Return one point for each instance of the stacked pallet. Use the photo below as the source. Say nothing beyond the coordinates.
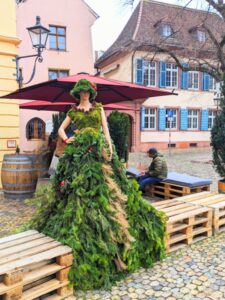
(186, 223)
(33, 265)
(167, 190)
(214, 201)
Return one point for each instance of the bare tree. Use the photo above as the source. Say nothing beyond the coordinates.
(209, 57)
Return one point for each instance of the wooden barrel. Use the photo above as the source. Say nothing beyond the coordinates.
(18, 176)
(41, 164)
(221, 187)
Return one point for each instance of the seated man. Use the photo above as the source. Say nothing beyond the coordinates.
(157, 170)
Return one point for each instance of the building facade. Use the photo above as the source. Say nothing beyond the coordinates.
(180, 121)
(69, 51)
(9, 109)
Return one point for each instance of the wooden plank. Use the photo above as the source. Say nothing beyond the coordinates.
(17, 236)
(221, 213)
(60, 250)
(200, 221)
(41, 273)
(19, 250)
(181, 211)
(162, 203)
(196, 196)
(55, 297)
(192, 213)
(21, 241)
(43, 289)
(200, 230)
(177, 238)
(170, 228)
(217, 205)
(177, 208)
(209, 200)
(29, 252)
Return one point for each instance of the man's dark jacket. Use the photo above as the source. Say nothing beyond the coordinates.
(158, 167)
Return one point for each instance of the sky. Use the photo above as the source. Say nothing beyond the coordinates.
(113, 16)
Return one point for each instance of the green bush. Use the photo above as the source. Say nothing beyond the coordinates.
(119, 126)
(218, 135)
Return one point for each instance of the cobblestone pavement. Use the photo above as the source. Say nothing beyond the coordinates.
(13, 213)
(192, 273)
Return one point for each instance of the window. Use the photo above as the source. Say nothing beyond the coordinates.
(201, 36)
(150, 118)
(57, 38)
(193, 80)
(171, 75)
(192, 119)
(149, 71)
(212, 115)
(35, 129)
(53, 74)
(171, 118)
(212, 83)
(165, 30)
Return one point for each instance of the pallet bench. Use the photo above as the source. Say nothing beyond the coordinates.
(167, 190)
(186, 223)
(178, 185)
(214, 201)
(34, 266)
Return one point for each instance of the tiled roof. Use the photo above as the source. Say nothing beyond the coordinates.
(143, 28)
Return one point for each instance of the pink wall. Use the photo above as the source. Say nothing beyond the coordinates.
(78, 18)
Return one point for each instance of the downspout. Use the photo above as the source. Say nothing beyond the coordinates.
(132, 66)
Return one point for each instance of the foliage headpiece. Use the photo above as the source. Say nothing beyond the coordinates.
(84, 85)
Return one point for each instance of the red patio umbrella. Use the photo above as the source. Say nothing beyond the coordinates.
(109, 91)
(64, 106)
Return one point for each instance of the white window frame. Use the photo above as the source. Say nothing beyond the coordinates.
(149, 69)
(193, 115)
(174, 122)
(166, 30)
(150, 118)
(201, 36)
(212, 83)
(193, 80)
(172, 74)
(211, 118)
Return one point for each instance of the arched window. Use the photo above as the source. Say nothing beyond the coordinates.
(35, 129)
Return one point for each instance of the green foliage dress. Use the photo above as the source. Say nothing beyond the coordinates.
(94, 209)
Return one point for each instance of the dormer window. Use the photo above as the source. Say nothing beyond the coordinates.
(201, 36)
(165, 30)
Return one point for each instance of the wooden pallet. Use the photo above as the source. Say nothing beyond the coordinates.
(169, 190)
(186, 223)
(213, 200)
(34, 266)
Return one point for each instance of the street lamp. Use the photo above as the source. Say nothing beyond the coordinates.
(217, 100)
(39, 36)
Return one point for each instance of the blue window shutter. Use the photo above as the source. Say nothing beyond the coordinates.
(142, 111)
(205, 81)
(162, 118)
(162, 74)
(183, 119)
(204, 119)
(139, 71)
(184, 79)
